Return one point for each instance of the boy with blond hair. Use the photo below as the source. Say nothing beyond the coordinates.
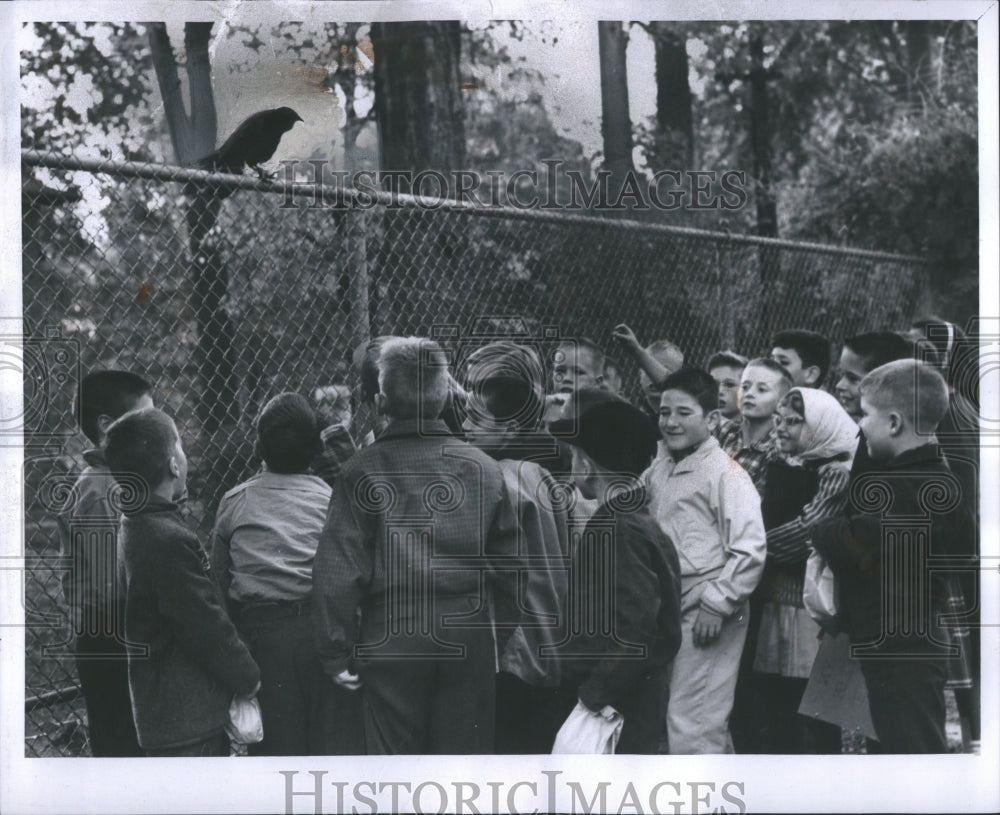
(882, 576)
(416, 521)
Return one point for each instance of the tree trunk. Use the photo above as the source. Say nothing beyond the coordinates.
(616, 128)
(418, 103)
(194, 136)
(674, 120)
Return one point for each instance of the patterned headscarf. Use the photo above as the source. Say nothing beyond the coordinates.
(828, 430)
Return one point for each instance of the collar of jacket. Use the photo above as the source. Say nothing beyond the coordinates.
(924, 454)
(401, 428)
(693, 459)
(95, 457)
(154, 503)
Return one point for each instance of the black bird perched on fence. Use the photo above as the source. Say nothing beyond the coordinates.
(252, 143)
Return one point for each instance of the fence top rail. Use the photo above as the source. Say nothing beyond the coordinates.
(348, 198)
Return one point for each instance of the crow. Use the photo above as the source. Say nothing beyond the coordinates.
(252, 143)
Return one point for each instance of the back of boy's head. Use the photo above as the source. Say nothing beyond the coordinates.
(697, 384)
(668, 354)
(108, 393)
(812, 348)
(509, 378)
(726, 359)
(413, 378)
(914, 389)
(876, 348)
(288, 433)
(776, 367)
(141, 443)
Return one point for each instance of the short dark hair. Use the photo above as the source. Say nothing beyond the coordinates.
(729, 359)
(509, 399)
(697, 384)
(812, 348)
(140, 444)
(108, 393)
(771, 365)
(914, 389)
(876, 348)
(413, 377)
(288, 433)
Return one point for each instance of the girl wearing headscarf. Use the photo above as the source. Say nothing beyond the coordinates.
(817, 439)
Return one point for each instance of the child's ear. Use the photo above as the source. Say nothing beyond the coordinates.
(380, 404)
(896, 423)
(173, 467)
(812, 375)
(103, 423)
(713, 418)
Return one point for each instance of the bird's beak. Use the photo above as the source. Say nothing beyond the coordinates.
(298, 118)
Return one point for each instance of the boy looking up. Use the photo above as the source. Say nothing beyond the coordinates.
(712, 512)
(726, 368)
(88, 534)
(903, 659)
(804, 354)
(576, 364)
(657, 360)
(264, 542)
(196, 662)
(624, 573)
(416, 521)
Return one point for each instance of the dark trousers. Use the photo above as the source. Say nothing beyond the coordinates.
(303, 712)
(431, 704)
(103, 670)
(785, 731)
(906, 699)
(213, 747)
(528, 718)
(645, 712)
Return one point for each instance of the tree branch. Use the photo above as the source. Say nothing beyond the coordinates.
(165, 65)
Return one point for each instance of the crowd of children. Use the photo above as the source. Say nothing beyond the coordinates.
(509, 543)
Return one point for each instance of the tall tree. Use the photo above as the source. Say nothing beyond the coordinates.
(616, 128)
(674, 120)
(193, 135)
(418, 102)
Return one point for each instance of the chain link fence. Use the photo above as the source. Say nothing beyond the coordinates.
(225, 293)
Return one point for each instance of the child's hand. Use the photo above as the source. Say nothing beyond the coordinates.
(707, 627)
(624, 335)
(348, 680)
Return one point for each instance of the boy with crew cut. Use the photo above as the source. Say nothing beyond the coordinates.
(264, 542)
(576, 364)
(88, 533)
(657, 360)
(419, 523)
(195, 662)
(711, 510)
(883, 576)
(804, 354)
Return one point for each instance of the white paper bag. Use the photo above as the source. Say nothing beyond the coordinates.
(819, 591)
(587, 732)
(245, 725)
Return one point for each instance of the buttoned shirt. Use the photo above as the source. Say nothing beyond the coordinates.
(751, 456)
(707, 505)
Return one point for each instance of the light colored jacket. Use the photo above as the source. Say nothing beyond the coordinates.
(710, 509)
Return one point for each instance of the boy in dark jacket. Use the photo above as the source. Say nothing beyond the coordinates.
(904, 512)
(624, 593)
(195, 662)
